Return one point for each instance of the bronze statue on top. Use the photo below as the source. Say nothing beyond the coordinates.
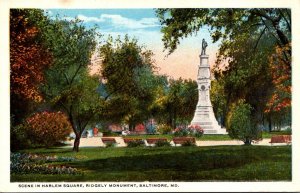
(204, 45)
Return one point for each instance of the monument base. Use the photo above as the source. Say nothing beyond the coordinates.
(204, 117)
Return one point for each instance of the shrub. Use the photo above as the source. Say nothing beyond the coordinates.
(161, 143)
(110, 144)
(288, 131)
(164, 129)
(135, 143)
(241, 126)
(48, 128)
(188, 143)
(195, 130)
(180, 132)
(192, 130)
(19, 138)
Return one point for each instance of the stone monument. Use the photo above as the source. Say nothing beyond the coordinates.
(204, 115)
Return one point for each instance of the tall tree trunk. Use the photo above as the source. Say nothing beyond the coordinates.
(270, 123)
(174, 120)
(247, 141)
(170, 119)
(76, 143)
(131, 126)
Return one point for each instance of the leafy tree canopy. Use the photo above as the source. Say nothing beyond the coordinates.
(225, 24)
(128, 72)
(29, 57)
(255, 47)
(68, 85)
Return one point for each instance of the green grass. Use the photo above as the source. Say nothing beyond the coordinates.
(217, 163)
(170, 137)
(270, 134)
(215, 138)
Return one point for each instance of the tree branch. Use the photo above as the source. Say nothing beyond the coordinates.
(275, 23)
(278, 40)
(66, 77)
(77, 70)
(263, 31)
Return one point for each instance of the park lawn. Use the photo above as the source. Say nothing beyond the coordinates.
(216, 163)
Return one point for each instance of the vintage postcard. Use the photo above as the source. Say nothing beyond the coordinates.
(166, 96)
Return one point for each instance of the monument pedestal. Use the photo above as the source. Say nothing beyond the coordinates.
(204, 114)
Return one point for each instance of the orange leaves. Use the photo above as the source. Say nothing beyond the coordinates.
(28, 57)
(280, 63)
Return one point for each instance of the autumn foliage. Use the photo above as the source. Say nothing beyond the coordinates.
(280, 63)
(28, 56)
(48, 128)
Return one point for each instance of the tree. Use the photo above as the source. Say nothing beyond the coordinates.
(29, 57)
(241, 126)
(127, 69)
(177, 102)
(68, 87)
(281, 72)
(278, 108)
(218, 99)
(225, 24)
(248, 37)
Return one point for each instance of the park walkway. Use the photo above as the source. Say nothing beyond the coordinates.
(97, 142)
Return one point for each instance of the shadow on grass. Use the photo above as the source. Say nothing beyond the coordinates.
(217, 158)
(218, 163)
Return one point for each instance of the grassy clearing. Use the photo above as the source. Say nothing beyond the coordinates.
(218, 163)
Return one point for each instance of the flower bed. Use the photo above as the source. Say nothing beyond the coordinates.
(38, 164)
(192, 130)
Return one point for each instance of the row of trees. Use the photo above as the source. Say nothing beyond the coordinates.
(50, 61)
(255, 45)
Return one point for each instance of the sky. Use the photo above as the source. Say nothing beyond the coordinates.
(143, 25)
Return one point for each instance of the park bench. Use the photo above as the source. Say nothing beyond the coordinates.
(182, 140)
(108, 140)
(281, 139)
(152, 141)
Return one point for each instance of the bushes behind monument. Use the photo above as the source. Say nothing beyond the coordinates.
(192, 130)
(241, 125)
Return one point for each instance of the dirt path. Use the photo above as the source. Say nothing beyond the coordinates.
(97, 142)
